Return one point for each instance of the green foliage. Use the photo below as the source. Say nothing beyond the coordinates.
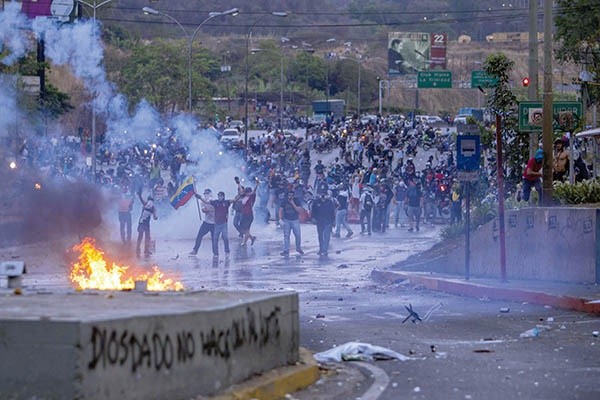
(577, 32)
(579, 193)
(481, 214)
(158, 72)
(54, 102)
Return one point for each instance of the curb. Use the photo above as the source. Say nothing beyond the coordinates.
(472, 289)
(276, 383)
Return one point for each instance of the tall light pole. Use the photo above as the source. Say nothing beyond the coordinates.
(280, 14)
(94, 6)
(190, 38)
(358, 62)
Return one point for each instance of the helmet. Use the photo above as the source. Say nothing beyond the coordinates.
(539, 155)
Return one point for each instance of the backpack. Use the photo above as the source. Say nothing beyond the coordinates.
(368, 202)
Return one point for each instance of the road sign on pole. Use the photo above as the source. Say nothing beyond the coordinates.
(434, 79)
(482, 79)
(566, 116)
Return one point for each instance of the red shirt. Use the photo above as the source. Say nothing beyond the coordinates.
(247, 204)
(532, 165)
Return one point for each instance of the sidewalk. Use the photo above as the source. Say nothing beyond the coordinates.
(577, 297)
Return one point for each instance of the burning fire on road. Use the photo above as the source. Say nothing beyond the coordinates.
(93, 271)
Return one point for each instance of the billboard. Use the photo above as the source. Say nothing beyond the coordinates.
(411, 52)
(59, 9)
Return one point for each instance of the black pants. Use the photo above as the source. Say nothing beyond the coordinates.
(365, 215)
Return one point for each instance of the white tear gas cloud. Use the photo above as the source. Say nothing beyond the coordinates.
(78, 45)
(12, 37)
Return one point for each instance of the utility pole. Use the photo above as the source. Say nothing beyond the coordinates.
(532, 92)
(547, 108)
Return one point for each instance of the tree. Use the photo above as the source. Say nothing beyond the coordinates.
(577, 32)
(503, 102)
(158, 72)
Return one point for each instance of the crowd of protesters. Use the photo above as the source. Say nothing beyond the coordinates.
(369, 179)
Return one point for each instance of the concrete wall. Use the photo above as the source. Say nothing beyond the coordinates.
(163, 356)
(547, 243)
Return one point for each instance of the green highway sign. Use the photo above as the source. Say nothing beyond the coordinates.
(481, 78)
(434, 80)
(566, 116)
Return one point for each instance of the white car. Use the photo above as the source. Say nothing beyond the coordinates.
(367, 119)
(433, 119)
(286, 134)
(461, 119)
(236, 124)
(230, 137)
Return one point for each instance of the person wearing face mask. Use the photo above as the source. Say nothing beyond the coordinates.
(289, 215)
(221, 207)
(208, 223)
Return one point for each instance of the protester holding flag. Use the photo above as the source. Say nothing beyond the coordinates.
(208, 224)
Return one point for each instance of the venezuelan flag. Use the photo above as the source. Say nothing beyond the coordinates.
(184, 193)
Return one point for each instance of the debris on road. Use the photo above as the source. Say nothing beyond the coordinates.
(412, 315)
(356, 351)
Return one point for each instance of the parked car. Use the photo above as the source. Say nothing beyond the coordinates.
(367, 119)
(236, 124)
(286, 134)
(433, 119)
(461, 119)
(230, 137)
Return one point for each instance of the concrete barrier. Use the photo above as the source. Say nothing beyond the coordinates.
(142, 346)
(547, 243)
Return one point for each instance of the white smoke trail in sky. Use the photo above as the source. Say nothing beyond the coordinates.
(79, 46)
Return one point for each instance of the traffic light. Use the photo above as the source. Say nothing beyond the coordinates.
(525, 81)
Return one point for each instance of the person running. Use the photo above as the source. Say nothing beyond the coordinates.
(341, 214)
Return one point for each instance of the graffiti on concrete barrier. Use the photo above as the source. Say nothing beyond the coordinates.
(111, 347)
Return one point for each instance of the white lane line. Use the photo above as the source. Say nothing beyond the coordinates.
(382, 380)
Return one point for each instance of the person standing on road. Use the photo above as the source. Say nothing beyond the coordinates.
(289, 215)
(323, 212)
(532, 175)
(398, 202)
(341, 214)
(247, 214)
(148, 211)
(414, 203)
(366, 209)
(221, 207)
(208, 224)
(125, 206)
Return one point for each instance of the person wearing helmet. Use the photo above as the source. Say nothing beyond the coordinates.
(532, 175)
(561, 160)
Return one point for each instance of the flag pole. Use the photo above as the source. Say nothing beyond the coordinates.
(197, 202)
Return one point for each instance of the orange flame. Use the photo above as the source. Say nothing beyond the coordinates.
(92, 271)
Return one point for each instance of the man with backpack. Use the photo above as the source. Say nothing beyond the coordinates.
(366, 210)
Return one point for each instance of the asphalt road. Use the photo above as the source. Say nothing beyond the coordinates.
(466, 349)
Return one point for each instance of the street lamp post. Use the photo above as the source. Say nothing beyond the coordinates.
(248, 34)
(94, 6)
(211, 15)
(358, 62)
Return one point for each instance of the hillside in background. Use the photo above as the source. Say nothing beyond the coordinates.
(351, 19)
